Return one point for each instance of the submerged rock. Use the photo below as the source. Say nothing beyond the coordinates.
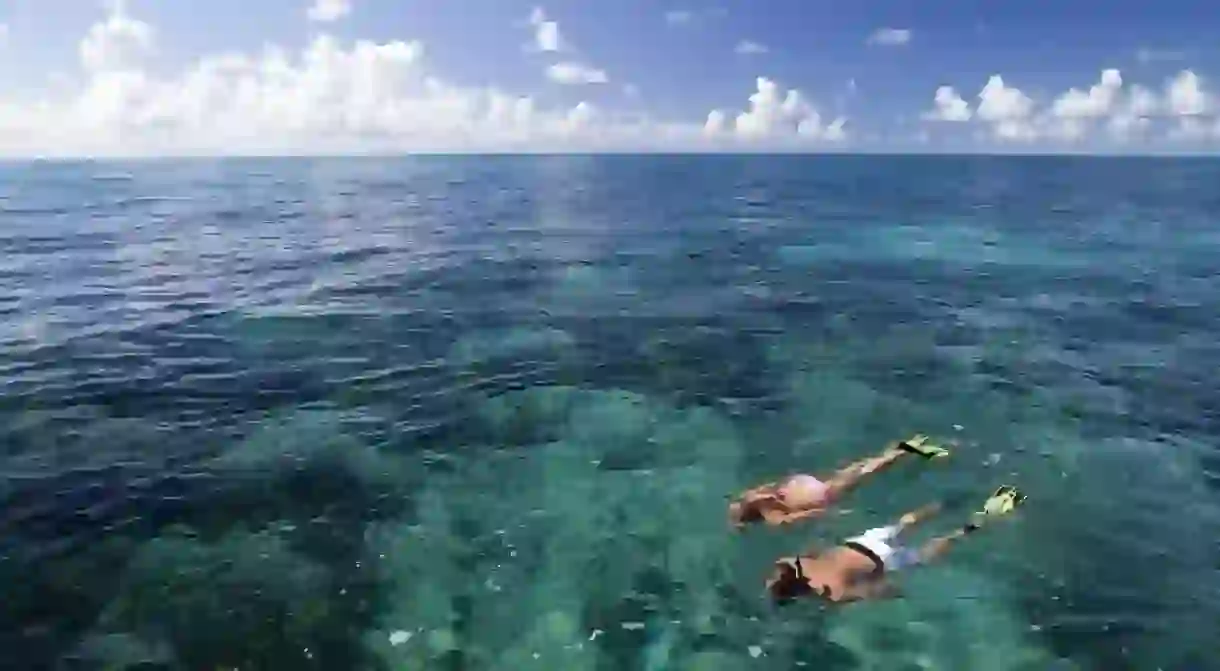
(246, 601)
(525, 555)
(950, 618)
(301, 464)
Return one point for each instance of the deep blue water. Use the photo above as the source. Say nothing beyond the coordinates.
(485, 412)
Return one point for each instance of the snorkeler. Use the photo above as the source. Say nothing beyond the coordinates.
(801, 495)
(857, 569)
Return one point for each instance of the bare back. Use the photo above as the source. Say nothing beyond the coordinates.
(794, 497)
(805, 492)
(839, 575)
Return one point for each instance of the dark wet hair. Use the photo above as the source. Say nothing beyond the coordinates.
(751, 512)
(789, 586)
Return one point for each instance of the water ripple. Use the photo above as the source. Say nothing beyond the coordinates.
(182, 343)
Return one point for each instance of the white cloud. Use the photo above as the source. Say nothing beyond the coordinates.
(1185, 96)
(1127, 127)
(890, 37)
(748, 47)
(1193, 130)
(1017, 130)
(572, 73)
(325, 11)
(1141, 102)
(999, 102)
(580, 117)
(338, 96)
(1098, 101)
(1132, 114)
(836, 131)
(119, 43)
(679, 16)
(949, 106)
(772, 115)
(1007, 109)
(332, 96)
(1122, 112)
(546, 32)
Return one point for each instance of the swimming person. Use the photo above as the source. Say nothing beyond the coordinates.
(857, 569)
(801, 495)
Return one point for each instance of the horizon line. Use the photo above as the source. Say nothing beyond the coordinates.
(887, 153)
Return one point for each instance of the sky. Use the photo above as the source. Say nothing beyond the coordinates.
(172, 77)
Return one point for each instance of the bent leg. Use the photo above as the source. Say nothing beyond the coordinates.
(937, 547)
(916, 516)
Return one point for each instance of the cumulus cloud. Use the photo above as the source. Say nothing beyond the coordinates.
(546, 32)
(581, 116)
(836, 131)
(572, 73)
(1098, 101)
(749, 47)
(948, 106)
(999, 102)
(1131, 115)
(775, 115)
(1186, 96)
(1120, 110)
(116, 44)
(325, 11)
(890, 37)
(329, 96)
(337, 96)
(1193, 129)
(1142, 102)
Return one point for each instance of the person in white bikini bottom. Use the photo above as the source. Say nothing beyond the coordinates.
(802, 495)
(857, 569)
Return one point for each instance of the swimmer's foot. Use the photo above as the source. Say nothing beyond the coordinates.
(919, 445)
(1002, 502)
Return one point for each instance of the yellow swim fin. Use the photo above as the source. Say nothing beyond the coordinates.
(1002, 502)
(918, 444)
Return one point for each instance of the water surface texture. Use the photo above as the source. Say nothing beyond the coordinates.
(486, 413)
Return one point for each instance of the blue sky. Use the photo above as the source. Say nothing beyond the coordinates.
(652, 62)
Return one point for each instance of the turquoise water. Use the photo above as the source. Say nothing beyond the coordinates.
(486, 413)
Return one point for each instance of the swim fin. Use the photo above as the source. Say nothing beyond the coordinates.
(918, 444)
(1002, 502)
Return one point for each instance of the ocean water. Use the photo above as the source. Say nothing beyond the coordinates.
(486, 412)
